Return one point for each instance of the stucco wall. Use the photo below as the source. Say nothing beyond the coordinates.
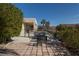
(29, 19)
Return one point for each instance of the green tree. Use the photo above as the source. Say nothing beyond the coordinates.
(43, 22)
(10, 21)
(69, 35)
(60, 27)
(47, 25)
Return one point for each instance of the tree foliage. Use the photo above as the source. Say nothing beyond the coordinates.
(69, 35)
(10, 21)
(45, 24)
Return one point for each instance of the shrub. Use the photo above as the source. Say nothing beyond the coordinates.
(10, 21)
(70, 36)
(71, 39)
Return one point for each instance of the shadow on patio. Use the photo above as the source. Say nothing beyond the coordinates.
(8, 52)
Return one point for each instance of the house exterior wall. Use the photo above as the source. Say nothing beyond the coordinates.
(28, 20)
(22, 30)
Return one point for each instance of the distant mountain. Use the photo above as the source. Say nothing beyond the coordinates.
(70, 25)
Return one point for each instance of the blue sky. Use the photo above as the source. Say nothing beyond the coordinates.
(54, 13)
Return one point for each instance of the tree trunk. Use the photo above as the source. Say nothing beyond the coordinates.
(28, 34)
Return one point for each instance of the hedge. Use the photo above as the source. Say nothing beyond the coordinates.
(70, 36)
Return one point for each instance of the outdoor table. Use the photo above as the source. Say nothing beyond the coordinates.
(41, 39)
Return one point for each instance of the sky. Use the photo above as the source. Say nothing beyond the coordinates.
(62, 13)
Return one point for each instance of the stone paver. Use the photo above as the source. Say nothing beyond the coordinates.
(39, 51)
(24, 49)
(34, 51)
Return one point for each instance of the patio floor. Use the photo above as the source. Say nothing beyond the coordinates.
(32, 49)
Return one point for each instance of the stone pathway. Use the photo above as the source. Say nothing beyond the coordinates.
(32, 49)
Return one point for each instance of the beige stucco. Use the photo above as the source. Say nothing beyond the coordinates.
(30, 21)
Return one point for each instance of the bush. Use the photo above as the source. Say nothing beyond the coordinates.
(10, 21)
(71, 39)
(70, 36)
